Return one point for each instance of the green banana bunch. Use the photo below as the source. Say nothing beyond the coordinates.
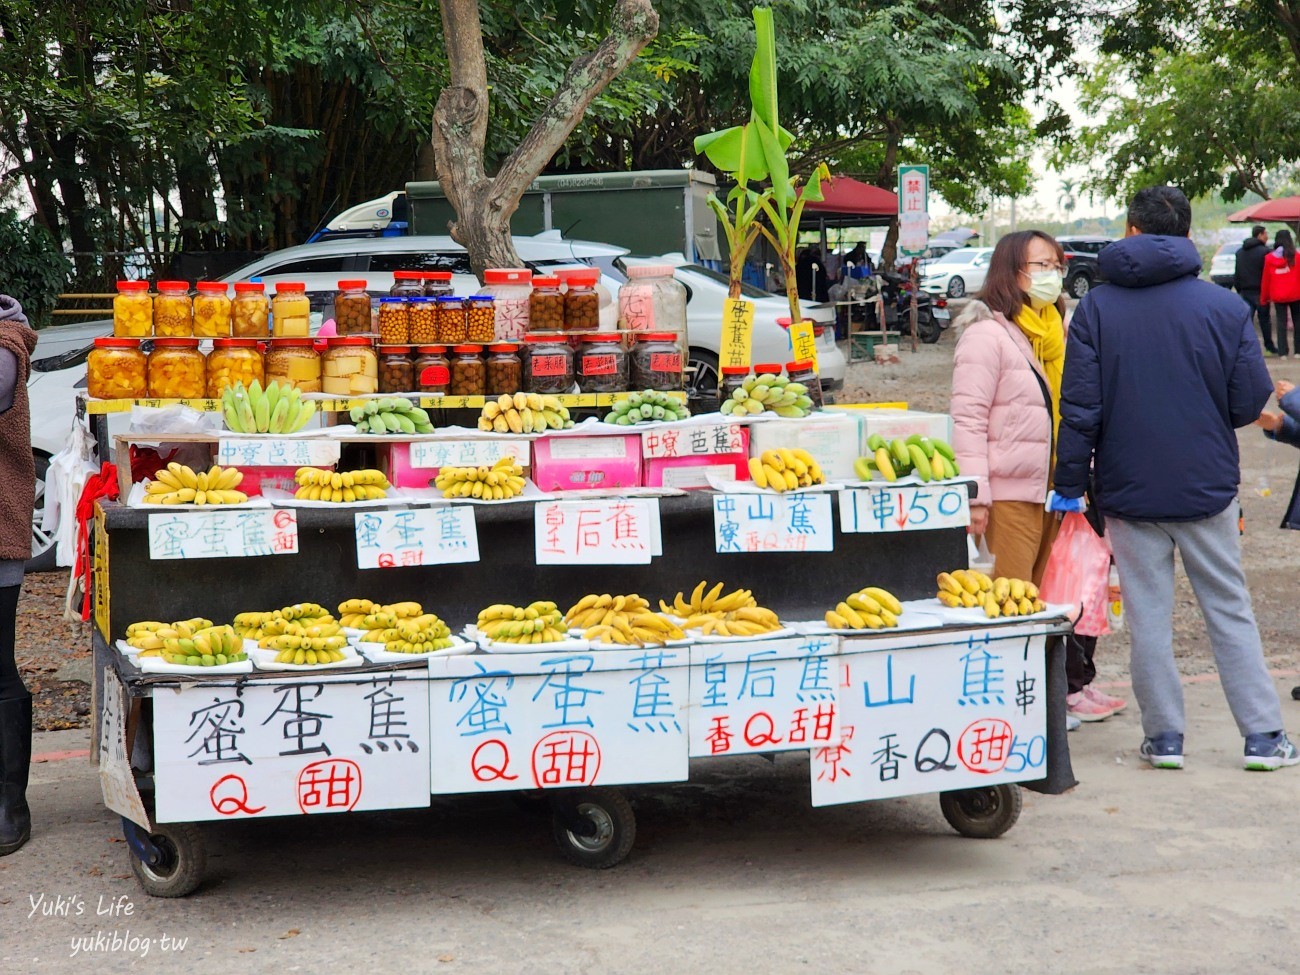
(768, 393)
(390, 415)
(928, 458)
(275, 409)
(645, 407)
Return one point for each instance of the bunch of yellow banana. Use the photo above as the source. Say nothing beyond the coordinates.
(254, 626)
(785, 469)
(539, 622)
(709, 602)
(149, 635)
(382, 621)
(300, 650)
(871, 608)
(596, 610)
(746, 621)
(178, 484)
(966, 588)
(621, 619)
(504, 479)
(209, 647)
(353, 611)
(524, 413)
(417, 634)
(315, 484)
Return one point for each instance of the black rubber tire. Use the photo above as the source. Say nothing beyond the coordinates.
(702, 382)
(1079, 285)
(614, 819)
(928, 330)
(957, 288)
(187, 859)
(984, 813)
(43, 547)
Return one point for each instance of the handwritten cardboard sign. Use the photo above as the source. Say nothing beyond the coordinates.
(694, 441)
(934, 718)
(803, 343)
(116, 780)
(216, 534)
(737, 333)
(772, 523)
(764, 696)
(900, 509)
(467, 453)
(542, 721)
(422, 536)
(604, 531)
(298, 745)
(297, 452)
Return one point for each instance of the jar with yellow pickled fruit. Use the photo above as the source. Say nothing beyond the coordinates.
(350, 367)
(177, 369)
(133, 310)
(250, 312)
(234, 361)
(294, 362)
(117, 369)
(173, 311)
(211, 310)
(290, 310)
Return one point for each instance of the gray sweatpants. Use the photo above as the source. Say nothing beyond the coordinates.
(1211, 551)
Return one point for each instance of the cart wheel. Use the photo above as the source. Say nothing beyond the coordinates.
(984, 813)
(184, 856)
(594, 827)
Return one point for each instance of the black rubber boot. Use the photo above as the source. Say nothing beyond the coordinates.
(15, 760)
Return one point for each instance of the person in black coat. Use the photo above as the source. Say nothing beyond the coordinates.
(1284, 427)
(1246, 278)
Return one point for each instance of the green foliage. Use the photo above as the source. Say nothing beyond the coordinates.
(31, 267)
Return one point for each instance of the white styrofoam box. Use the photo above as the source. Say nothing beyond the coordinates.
(832, 439)
(903, 423)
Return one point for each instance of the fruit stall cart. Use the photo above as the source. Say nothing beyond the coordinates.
(804, 649)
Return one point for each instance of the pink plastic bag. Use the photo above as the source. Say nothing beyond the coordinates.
(1078, 574)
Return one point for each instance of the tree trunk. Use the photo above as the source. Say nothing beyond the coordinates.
(484, 204)
(889, 250)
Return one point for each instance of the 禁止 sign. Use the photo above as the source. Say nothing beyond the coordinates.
(913, 210)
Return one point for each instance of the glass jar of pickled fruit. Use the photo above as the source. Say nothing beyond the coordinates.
(173, 311)
(432, 369)
(234, 361)
(510, 289)
(211, 310)
(349, 366)
(133, 310)
(177, 369)
(480, 319)
(505, 372)
(407, 284)
(731, 378)
(352, 309)
(546, 305)
(437, 284)
(657, 362)
(396, 370)
(250, 312)
(394, 321)
(294, 362)
(290, 310)
(468, 371)
(452, 326)
(424, 321)
(581, 301)
(804, 372)
(602, 364)
(549, 365)
(116, 369)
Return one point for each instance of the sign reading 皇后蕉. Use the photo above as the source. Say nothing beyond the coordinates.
(597, 531)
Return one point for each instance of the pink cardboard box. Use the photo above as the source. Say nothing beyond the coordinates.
(682, 457)
(575, 462)
(415, 464)
(257, 479)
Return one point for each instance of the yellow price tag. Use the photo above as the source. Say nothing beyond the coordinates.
(737, 333)
(803, 342)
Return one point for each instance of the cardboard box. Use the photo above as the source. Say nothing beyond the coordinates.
(834, 440)
(414, 465)
(682, 457)
(903, 423)
(258, 479)
(570, 463)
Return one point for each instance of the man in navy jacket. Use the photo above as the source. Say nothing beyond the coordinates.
(1160, 368)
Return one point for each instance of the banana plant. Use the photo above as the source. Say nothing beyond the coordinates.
(782, 228)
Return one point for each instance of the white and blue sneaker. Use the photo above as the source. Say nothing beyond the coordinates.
(1163, 751)
(1265, 753)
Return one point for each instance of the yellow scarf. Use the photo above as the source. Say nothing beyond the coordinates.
(1046, 333)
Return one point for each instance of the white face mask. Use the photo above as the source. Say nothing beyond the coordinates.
(1044, 288)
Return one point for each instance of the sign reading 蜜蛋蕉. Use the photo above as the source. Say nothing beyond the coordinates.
(217, 534)
(423, 536)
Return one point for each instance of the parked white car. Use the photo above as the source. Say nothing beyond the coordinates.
(957, 273)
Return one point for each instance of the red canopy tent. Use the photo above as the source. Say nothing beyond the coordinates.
(1285, 209)
(848, 197)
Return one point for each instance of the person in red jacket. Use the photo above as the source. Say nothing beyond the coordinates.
(1280, 287)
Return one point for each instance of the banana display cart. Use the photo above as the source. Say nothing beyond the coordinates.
(948, 702)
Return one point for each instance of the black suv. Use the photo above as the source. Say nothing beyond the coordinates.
(1081, 270)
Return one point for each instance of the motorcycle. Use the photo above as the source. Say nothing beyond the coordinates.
(932, 314)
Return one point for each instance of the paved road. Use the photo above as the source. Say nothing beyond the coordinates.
(1135, 871)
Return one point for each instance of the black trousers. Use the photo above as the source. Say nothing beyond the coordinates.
(1279, 316)
(1079, 668)
(12, 687)
(1261, 313)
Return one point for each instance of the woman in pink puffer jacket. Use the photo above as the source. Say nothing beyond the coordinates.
(1005, 397)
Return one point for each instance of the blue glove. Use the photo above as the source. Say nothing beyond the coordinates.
(1057, 503)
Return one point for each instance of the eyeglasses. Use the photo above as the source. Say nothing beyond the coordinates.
(1044, 266)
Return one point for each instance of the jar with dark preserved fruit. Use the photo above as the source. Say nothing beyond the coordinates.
(352, 309)
(504, 370)
(581, 302)
(394, 321)
(407, 284)
(657, 362)
(173, 310)
(133, 310)
(803, 372)
(396, 370)
(424, 320)
(480, 319)
(177, 369)
(432, 369)
(546, 305)
(549, 365)
(452, 326)
(468, 371)
(250, 312)
(602, 364)
(116, 369)
(437, 284)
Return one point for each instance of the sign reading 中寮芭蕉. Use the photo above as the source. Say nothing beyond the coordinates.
(791, 522)
(901, 509)
(439, 535)
(217, 534)
(291, 452)
(467, 453)
(697, 440)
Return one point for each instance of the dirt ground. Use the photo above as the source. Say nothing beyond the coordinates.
(51, 650)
